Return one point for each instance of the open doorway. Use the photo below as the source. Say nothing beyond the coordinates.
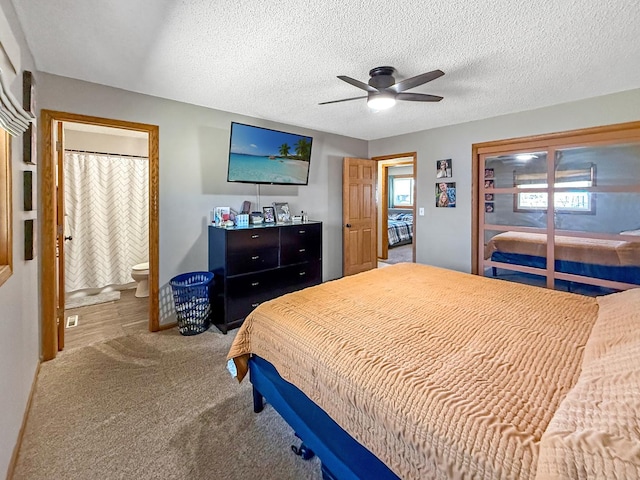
(61, 133)
(105, 221)
(396, 208)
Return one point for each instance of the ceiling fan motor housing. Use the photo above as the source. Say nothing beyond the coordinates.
(382, 77)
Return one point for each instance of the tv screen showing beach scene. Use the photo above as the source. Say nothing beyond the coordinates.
(261, 155)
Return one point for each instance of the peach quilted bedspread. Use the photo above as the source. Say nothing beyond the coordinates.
(440, 374)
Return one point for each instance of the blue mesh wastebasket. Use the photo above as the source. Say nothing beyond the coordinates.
(191, 298)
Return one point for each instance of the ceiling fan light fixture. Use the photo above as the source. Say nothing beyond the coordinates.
(381, 101)
(526, 156)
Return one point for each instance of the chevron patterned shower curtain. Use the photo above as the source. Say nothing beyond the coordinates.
(107, 216)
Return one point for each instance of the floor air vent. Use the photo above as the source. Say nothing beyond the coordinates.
(72, 321)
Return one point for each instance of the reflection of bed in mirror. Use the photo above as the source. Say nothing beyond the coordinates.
(413, 371)
(400, 227)
(615, 260)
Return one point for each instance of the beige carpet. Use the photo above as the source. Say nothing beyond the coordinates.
(153, 406)
(403, 253)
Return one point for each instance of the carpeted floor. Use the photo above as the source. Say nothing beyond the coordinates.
(153, 406)
(403, 253)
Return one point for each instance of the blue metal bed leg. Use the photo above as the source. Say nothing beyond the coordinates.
(495, 271)
(326, 474)
(258, 401)
(303, 451)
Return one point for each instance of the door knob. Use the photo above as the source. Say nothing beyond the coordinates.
(348, 225)
(68, 238)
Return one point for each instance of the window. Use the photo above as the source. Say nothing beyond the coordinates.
(6, 263)
(402, 191)
(573, 201)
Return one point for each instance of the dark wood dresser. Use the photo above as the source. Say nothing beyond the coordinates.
(257, 263)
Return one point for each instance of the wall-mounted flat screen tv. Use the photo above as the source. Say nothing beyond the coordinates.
(262, 155)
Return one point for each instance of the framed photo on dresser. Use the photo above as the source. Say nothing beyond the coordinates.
(283, 214)
(269, 214)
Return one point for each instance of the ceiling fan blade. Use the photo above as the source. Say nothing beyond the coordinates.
(357, 83)
(416, 81)
(418, 97)
(343, 100)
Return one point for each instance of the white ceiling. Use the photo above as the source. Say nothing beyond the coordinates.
(276, 60)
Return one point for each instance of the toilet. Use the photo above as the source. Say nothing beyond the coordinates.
(140, 273)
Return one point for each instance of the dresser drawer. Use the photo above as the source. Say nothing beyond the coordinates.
(250, 285)
(239, 241)
(300, 243)
(301, 276)
(252, 261)
(238, 308)
(246, 292)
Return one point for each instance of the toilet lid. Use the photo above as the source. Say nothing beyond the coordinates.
(141, 266)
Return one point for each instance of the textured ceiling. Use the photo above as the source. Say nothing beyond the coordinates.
(277, 60)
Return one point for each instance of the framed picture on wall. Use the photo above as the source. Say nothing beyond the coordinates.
(28, 190)
(446, 194)
(29, 240)
(444, 168)
(29, 104)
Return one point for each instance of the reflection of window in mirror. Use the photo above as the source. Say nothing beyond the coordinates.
(574, 201)
(5, 207)
(401, 191)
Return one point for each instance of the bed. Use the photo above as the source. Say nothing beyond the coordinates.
(605, 259)
(400, 228)
(440, 374)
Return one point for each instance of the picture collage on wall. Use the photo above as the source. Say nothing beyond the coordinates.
(29, 141)
(489, 183)
(445, 191)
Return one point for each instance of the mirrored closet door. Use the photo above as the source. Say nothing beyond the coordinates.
(561, 212)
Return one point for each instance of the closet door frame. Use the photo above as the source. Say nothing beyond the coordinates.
(550, 143)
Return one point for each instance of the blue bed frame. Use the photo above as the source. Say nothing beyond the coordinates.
(626, 274)
(342, 457)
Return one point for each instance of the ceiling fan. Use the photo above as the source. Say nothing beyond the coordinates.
(383, 91)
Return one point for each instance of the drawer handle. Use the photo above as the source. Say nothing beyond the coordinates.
(255, 284)
(302, 231)
(255, 257)
(302, 250)
(254, 305)
(255, 236)
(302, 274)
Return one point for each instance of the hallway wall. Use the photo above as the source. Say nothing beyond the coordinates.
(19, 330)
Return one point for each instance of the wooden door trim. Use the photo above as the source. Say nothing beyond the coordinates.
(603, 135)
(6, 208)
(48, 220)
(384, 216)
(60, 236)
(384, 225)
